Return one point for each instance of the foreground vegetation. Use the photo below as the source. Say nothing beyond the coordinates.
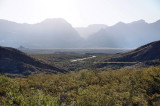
(86, 88)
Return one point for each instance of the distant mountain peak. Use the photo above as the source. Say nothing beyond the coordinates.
(134, 22)
(120, 23)
(139, 21)
(2, 21)
(91, 29)
(55, 21)
(158, 21)
(50, 20)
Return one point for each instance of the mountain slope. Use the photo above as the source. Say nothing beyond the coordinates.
(13, 61)
(91, 29)
(57, 33)
(126, 35)
(50, 33)
(150, 51)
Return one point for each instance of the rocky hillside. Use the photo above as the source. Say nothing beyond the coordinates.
(150, 51)
(15, 62)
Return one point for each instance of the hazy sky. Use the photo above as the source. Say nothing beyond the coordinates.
(80, 12)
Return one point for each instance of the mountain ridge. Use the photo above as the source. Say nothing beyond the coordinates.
(127, 35)
(13, 61)
(50, 33)
(146, 52)
(58, 33)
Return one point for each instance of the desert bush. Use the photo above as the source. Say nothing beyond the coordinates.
(86, 87)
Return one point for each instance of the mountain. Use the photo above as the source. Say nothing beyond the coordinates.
(50, 33)
(58, 33)
(15, 62)
(91, 29)
(147, 52)
(125, 35)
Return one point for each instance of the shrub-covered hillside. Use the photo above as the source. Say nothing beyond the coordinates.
(86, 88)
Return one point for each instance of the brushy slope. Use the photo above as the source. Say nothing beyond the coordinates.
(85, 88)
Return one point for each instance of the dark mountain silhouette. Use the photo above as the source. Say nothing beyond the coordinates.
(147, 52)
(13, 61)
(122, 35)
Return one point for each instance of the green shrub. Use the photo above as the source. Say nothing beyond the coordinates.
(90, 88)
